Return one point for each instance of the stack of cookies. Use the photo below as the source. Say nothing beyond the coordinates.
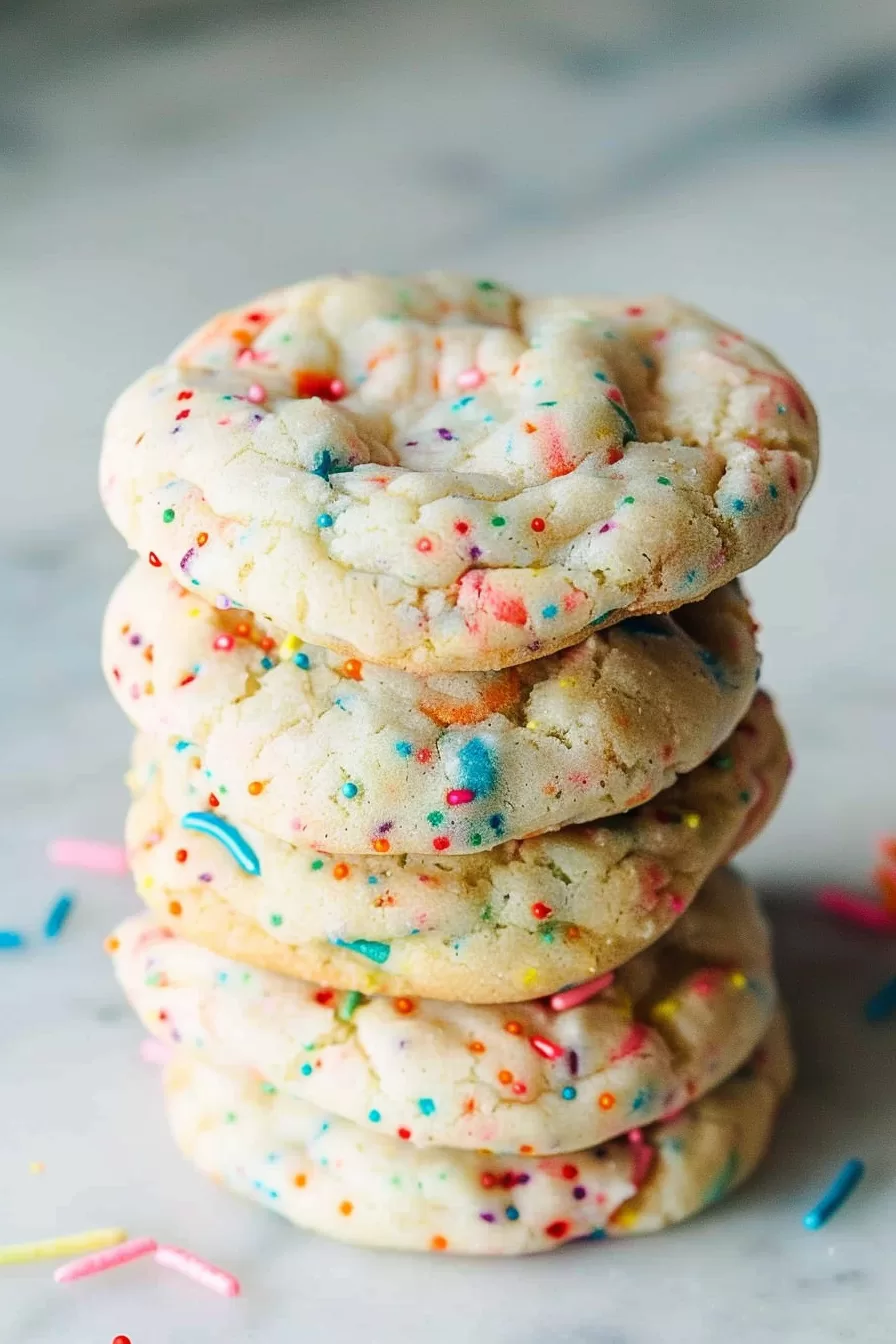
(447, 719)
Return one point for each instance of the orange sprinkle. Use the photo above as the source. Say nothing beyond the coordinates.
(515, 1028)
(505, 1076)
(202, 539)
(300, 1180)
(439, 1243)
(404, 1006)
(346, 1207)
(255, 787)
(352, 668)
(341, 870)
(180, 856)
(529, 427)
(381, 845)
(243, 629)
(525, 1148)
(476, 1048)
(606, 1101)
(111, 944)
(175, 908)
(573, 933)
(267, 643)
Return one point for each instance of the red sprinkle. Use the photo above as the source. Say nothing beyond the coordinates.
(548, 1049)
(540, 910)
(538, 524)
(154, 560)
(441, 842)
(184, 396)
(224, 643)
(557, 1230)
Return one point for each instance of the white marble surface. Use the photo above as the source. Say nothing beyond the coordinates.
(743, 157)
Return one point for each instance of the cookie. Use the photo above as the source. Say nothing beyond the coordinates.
(518, 1078)
(519, 922)
(355, 758)
(434, 473)
(328, 1175)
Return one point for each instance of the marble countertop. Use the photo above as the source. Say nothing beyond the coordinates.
(744, 157)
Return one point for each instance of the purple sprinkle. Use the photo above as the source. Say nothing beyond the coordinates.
(573, 1063)
(487, 1217)
(411, 443)
(185, 559)
(385, 826)
(475, 552)
(522, 1179)
(205, 877)
(578, 1192)
(223, 603)
(445, 434)
(135, 639)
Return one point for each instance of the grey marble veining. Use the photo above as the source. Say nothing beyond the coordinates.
(158, 161)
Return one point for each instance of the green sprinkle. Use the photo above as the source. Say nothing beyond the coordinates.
(269, 1089)
(316, 865)
(349, 1005)
(663, 480)
(498, 521)
(486, 285)
(168, 516)
(476, 839)
(230, 1117)
(435, 818)
(276, 920)
(629, 499)
(723, 762)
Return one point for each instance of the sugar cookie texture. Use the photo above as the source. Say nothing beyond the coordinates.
(435, 473)
(367, 760)
(446, 714)
(328, 1174)
(515, 923)
(676, 1020)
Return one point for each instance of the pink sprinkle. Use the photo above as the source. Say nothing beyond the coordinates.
(154, 1052)
(677, 902)
(172, 1257)
(857, 910)
(631, 1042)
(454, 797)
(571, 998)
(643, 1156)
(224, 643)
(548, 1049)
(93, 854)
(257, 394)
(469, 379)
(86, 1265)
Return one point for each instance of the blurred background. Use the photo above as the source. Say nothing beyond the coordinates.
(161, 159)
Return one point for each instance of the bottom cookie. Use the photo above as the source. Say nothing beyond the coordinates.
(329, 1175)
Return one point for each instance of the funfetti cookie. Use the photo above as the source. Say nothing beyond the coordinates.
(328, 1175)
(513, 1078)
(435, 473)
(308, 746)
(518, 922)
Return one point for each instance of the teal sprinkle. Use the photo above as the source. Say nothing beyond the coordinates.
(427, 1105)
(181, 745)
(546, 403)
(372, 881)
(602, 377)
(690, 576)
(325, 520)
(306, 1070)
(374, 1117)
(435, 818)
(600, 620)
(325, 465)
(569, 1094)
(486, 285)
(663, 480)
(646, 625)
(349, 1005)
(773, 491)
(550, 611)
(511, 1213)
(267, 663)
(463, 401)
(276, 920)
(366, 947)
(478, 767)
(349, 790)
(269, 1089)
(744, 795)
(782, 410)
(496, 821)
(738, 505)
(630, 431)
(641, 1098)
(723, 1181)
(302, 660)
(316, 865)
(219, 829)
(404, 748)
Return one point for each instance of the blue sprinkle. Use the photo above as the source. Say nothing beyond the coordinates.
(349, 790)
(738, 505)
(58, 915)
(181, 745)
(478, 767)
(325, 520)
(882, 1004)
(219, 829)
(9, 938)
(374, 1117)
(427, 1105)
(306, 1070)
(496, 821)
(836, 1194)
(404, 748)
(602, 377)
(303, 661)
(267, 663)
(569, 1094)
(550, 611)
(511, 1213)
(462, 401)
(641, 1098)
(365, 947)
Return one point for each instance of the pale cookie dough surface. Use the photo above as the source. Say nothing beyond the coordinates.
(676, 1020)
(435, 473)
(328, 1175)
(521, 921)
(355, 758)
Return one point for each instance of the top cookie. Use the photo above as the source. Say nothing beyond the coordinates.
(436, 474)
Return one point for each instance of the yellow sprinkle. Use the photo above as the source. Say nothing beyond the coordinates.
(58, 1247)
(533, 725)
(666, 1008)
(530, 976)
(692, 820)
(36, 1168)
(738, 980)
(194, 611)
(147, 883)
(289, 646)
(566, 682)
(626, 1218)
